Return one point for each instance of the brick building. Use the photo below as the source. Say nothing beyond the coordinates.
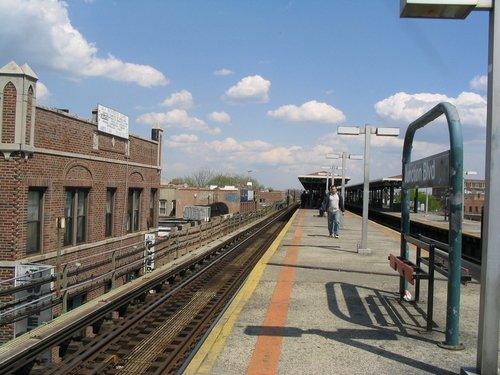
(474, 193)
(72, 196)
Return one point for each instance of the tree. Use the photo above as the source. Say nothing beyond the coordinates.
(177, 181)
(434, 203)
(205, 178)
(234, 180)
(200, 178)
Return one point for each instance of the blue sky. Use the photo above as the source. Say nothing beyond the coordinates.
(259, 85)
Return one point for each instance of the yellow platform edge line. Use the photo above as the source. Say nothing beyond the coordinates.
(208, 353)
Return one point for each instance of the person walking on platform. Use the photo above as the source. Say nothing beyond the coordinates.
(333, 204)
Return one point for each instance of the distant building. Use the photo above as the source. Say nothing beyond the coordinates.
(474, 193)
(71, 194)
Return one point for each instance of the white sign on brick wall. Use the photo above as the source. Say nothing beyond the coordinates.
(32, 298)
(112, 122)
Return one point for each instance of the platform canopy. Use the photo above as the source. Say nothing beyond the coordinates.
(317, 181)
(394, 181)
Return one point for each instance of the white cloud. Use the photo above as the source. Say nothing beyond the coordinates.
(181, 140)
(42, 92)
(479, 83)
(223, 72)
(406, 108)
(311, 111)
(182, 99)
(227, 146)
(471, 108)
(220, 117)
(249, 89)
(257, 145)
(213, 131)
(276, 156)
(385, 142)
(61, 47)
(229, 150)
(143, 75)
(177, 118)
(422, 149)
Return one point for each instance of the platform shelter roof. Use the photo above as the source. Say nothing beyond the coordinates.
(394, 181)
(316, 181)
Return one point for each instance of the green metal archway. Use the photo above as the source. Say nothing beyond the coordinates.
(455, 182)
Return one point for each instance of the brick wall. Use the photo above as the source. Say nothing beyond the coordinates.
(269, 197)
(9, 207)
(8, 113)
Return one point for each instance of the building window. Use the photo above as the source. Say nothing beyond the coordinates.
(110, 208)
(77, 301)
(75, 214)
(163, 208)
(34, 222)
(152, 206)
(108, 285)
(133, 210)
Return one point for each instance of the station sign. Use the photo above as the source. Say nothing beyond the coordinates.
(433, 171)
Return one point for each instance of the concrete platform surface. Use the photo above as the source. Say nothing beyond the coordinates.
(315, 305)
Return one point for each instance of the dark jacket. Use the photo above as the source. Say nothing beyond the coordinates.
(326, 202)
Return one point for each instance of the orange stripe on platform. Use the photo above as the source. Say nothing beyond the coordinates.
(267, 350)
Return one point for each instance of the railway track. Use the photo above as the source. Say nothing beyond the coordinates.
(471, 244)
(158, 330)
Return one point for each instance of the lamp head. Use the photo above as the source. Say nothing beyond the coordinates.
(455, 9)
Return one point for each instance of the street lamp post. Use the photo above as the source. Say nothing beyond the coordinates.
(489, 316)
(332, 156)
(331, 174)
(249, 182)
(344, 156)
(367, 131)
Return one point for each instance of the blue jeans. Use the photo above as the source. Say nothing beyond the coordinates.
(333, 222)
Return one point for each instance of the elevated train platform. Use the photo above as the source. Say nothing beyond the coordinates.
(314, 305)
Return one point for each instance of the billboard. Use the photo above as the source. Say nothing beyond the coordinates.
(246, 195)
(112, 122)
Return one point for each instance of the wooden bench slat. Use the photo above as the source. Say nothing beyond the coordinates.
(407, 269)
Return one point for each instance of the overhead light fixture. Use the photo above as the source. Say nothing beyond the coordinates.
(332, 156)
(454, 9)
(388, 132)
(349, 130)
(356, 157)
